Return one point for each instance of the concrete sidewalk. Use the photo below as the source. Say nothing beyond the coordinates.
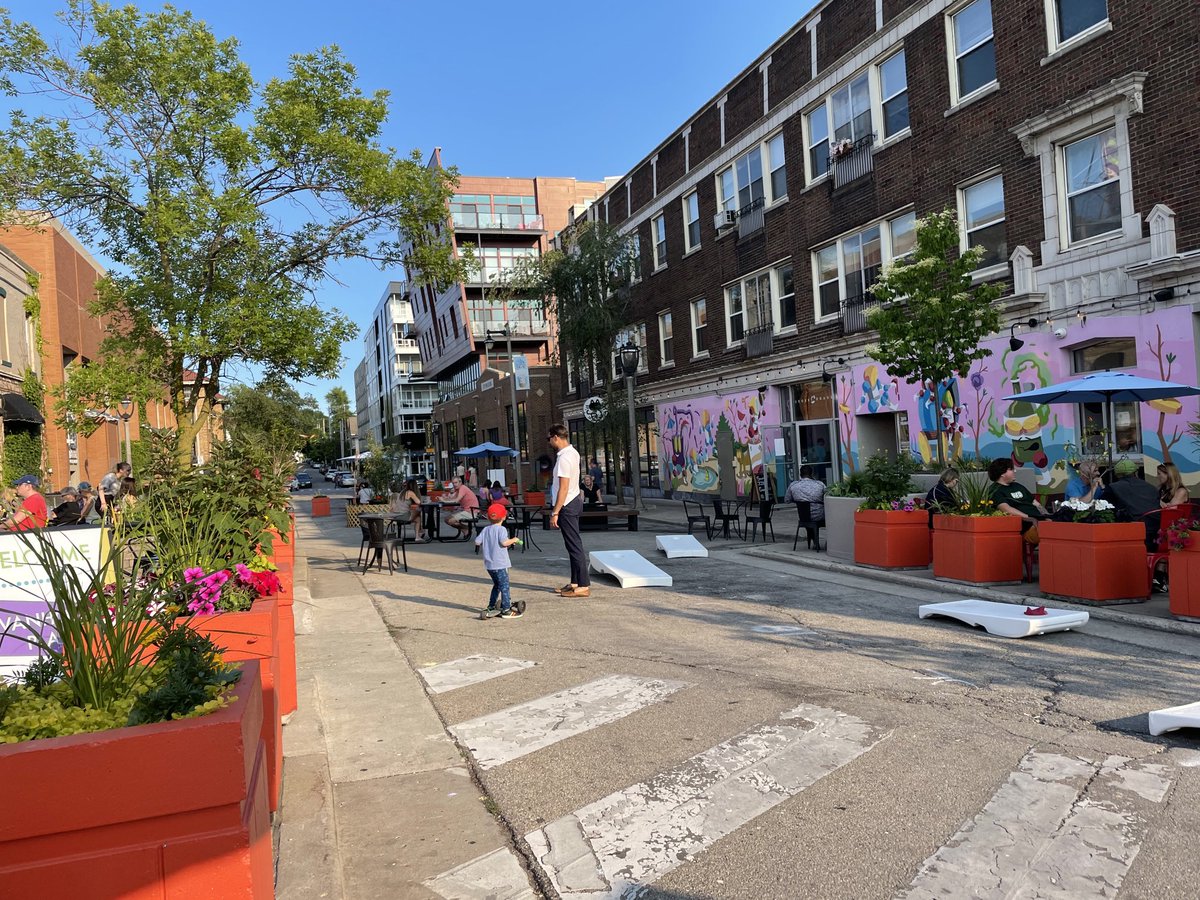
(376, 796)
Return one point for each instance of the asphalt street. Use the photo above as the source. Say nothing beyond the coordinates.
(761, 730)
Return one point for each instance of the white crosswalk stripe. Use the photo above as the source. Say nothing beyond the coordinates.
(1058, 827)
(503, 736)
(469, 670)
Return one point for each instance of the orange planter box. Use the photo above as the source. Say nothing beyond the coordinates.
(1101, 563)
(254, 635)
(535, 498)
(977, 549)
(891, 539)
(286, 681)
(320, 506)
(173, 810)
(1184, 583)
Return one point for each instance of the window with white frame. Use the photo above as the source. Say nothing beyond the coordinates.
(742, 183)
(636, 334)
(727, 190)
(972, 50)
(817, 130)
(570, 366)
(903, 233)
(699, 324)
(735, 314)
(658, 231)
(785, 286)
(777, 167)
(850, 110)
(666, 342)
(635, 258)
(1092, 190)
(844, 271)
(691, 221)
(761, 300)
(1070, 19)
(893, 94)
(827, 278)
(981, 212)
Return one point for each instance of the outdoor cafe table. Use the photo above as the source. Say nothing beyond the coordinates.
(433, 522)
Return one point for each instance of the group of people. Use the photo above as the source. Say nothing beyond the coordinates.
(80, 505)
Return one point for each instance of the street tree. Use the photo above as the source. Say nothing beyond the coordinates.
(273, 409)
(222, 203)
(932, 318)
(337, 402)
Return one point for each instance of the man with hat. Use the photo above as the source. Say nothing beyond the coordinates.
(67, 512)
(1135, 498)
(33, 512)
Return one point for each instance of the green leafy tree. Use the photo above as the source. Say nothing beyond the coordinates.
(273, 409)
(338, 404)
(932, 318)
(222, 202)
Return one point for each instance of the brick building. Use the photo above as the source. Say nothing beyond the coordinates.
(505, 220)
(1063, 132)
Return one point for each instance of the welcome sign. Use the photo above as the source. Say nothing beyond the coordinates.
(25, 591)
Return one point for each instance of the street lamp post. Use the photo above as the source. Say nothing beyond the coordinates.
(630, 355)
(126, 414)
(506, 333)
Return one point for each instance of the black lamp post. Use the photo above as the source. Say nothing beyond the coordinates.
(1014, 342)
(630, 356)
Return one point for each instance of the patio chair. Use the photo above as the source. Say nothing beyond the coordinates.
(694, 511)
(812, 527)
(723, 515)
(383, 545)
(763, 518)
(366, 539)
(1161, 555)
(523, 518)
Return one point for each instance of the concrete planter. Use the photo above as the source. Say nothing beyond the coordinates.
(1095, 563)
(839, 526)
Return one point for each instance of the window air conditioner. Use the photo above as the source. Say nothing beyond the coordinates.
(725, 219)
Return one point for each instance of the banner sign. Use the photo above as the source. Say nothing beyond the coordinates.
(520, 367)
(25, 592)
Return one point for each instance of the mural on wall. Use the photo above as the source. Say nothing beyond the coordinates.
(978, 422)
(688, 437)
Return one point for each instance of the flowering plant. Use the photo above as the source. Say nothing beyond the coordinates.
(1178, 534)
(842, 148)
(973, 497)
(1094, 513)
(908, 504)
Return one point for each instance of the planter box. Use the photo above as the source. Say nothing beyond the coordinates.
(171, 810)
(1184, 584)
(320, 506)
(535, 498)
(1099, 563)
(254, 635)
(286, 673)
(977, 549)
(891, 539)
(839, 526)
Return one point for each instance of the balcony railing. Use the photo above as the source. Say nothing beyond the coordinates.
(760, 340)
(517, 327)
(750, 218)
(498, 221)
(854, 313)
(853, 162)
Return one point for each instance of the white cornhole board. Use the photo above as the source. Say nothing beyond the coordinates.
(1005, 619)
(678, 546)
(630, 568)
(1186, 716)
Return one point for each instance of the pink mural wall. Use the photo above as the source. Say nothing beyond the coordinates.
(980, 423)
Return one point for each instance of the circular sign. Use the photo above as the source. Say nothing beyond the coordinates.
(594, 409)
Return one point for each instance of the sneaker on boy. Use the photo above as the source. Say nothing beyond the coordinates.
(494, 541)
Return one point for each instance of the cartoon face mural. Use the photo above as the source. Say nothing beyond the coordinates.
(688, 435)
(879, 391)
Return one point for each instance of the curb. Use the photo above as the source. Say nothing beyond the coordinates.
(1172, 626)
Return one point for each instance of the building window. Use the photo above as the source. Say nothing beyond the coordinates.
(851, 110)
(828, 293)
(817, 128)
(699, 324)
(658, 227)
(1068, 19)
(666, 343)
(735, 319)
(691, 221)
(635, 259)
(571, 386)
(785, 290)
(1092, 171)
(845, 270)
(636, 334)
(741, 184)
(893, 93)
(727, 190)
(1098, 436)
(903, 231)
(777, 166)
(973, 49)
(982, 218)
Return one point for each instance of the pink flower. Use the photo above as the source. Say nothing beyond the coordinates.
(243, 573)
(201, 607)
(193, 574)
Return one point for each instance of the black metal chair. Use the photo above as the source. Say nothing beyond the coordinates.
(751, 524)
(366, 538)
(694, 510)
(812, 527)
(724, 515)
(523, 518)
(381, 545)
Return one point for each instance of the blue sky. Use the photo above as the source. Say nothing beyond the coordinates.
(572, 89)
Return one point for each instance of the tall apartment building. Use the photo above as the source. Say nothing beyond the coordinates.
(394, 400)
(1063, 133)
(505, 220)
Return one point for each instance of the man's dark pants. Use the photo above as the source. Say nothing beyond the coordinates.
(568, 524)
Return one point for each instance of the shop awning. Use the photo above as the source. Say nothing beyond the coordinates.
(15, 408)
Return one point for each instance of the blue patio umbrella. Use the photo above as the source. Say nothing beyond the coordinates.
(1107, 388)
(487, 448)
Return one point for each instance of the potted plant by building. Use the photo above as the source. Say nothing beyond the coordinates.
(1085, 554)
(973, 541)
(1183, 585)
(124, 690)
(842, 500)
(891, 528)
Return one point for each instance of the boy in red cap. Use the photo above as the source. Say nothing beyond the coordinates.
(495, 542)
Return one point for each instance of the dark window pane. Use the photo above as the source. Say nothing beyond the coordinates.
(694, 234)
(992, 239)
(977, 68)
(1097, 211)
(779, 182)
(787, 311)
(895, 115)
(830, 299)
(1075, 16)
(820, 159)
(736, 328)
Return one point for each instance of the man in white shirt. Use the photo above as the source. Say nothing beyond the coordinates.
(567, 501)
(365, 494)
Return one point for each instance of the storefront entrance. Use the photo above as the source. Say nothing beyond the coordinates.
(811, 436)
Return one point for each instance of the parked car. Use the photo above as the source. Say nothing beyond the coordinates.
(303, 480)
(331, 474)
(345, 479)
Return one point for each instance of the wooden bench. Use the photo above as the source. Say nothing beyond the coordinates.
(599, 519)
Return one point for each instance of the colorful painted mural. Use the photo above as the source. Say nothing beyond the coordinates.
(688, 437)
(976, 421)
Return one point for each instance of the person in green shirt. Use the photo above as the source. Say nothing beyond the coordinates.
(1015, 499)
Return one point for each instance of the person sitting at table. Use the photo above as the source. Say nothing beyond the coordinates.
(468, 505)
(407, 503)
(808, 489)
(1171, 491)
(1085, 484)
(1014, 499)
(1136, 498)
(68, 511)
(496, 495)
(941, 495)
(591, 492)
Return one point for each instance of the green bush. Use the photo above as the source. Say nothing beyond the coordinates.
(22, 455)
(887, 480)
